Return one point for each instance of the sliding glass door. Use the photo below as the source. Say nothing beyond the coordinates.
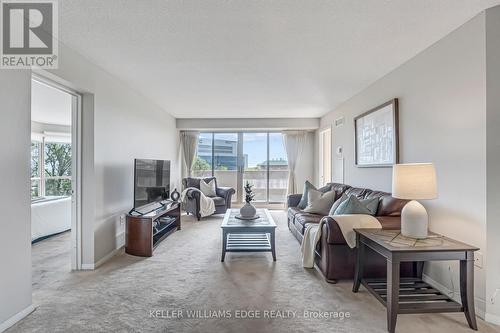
(225, 156)
(255, 167)
(236, 158)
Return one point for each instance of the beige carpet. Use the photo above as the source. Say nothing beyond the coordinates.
(185, 274)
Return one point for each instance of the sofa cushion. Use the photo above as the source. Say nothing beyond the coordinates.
(218, 201)
(320, 203)
(337, 203)
(302, 219)
(390, 206)
(339, 188)
(304, 200)
(292, 211)
(371, 204)
(356, 191)
(352, 206)
(305, 194)
(195, 182)
(208, 188)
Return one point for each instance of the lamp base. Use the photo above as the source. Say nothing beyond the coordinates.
(414, 220)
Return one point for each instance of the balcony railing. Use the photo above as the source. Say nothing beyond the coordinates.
(278, 182)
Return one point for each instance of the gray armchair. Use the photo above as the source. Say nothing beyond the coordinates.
(192, 203)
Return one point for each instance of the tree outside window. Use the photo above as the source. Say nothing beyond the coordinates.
(55, 179)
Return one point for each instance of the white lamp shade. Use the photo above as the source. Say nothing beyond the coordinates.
(414, 181)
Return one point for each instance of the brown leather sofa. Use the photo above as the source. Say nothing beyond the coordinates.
(334, 258)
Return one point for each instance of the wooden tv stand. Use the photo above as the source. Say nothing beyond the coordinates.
(141, 238)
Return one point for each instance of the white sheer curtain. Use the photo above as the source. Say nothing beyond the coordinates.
(294, 145)
(189, 145)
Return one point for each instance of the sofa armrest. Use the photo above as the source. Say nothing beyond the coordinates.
(294, 199)
(390, 222)
(333, 234)
(331, 231)
(226, 193)
(193, 194)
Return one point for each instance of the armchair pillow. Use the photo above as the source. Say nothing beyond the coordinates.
(208, 189)
(319, 202)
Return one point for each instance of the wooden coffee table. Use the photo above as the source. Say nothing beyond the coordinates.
(412, 295)
(248, 236)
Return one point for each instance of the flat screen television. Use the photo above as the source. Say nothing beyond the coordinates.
(151, 181)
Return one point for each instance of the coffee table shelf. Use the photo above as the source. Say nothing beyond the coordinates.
(248, 242)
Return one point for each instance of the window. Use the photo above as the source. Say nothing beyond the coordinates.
(35, 169)
(278, 168)
(50, 169)
(202, 166)
(235, 158)
(225, 156)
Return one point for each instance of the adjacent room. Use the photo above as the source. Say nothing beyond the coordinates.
(51, 179)
(250, 166)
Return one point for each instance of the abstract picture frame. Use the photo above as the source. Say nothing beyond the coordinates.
(376, 136)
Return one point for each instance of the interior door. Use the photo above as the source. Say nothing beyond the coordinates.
(325, 153)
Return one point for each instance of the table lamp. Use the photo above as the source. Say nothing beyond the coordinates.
(415, 181)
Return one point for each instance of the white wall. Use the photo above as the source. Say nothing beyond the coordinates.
(15, 235)
(126, 126)
(493, 163)
(442, 120)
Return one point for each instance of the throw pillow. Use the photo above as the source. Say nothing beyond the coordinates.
(319, 202)
(337, 204)
(371, 205)
(352, 206)
(304, 200)
(208, 189)
(305, 194)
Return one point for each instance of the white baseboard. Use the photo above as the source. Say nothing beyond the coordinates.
(120, 246)
(480, 304)
(107, 257)
(17, 317)
(88, 267)
(491, 318)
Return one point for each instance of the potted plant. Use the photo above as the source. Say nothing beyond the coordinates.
(248, 210)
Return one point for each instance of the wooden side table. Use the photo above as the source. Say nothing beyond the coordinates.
(412, 295)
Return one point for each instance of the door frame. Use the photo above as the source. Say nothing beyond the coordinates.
(76, 167)
(322, 173)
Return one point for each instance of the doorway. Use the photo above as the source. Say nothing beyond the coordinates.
(325, 156)
(55, 173)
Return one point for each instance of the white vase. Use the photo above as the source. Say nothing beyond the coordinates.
(248, 210)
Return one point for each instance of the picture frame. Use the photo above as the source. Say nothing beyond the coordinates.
(376, 136)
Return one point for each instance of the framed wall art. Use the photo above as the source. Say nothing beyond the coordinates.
(376, 135)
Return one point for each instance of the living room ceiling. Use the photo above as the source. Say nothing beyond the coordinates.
(241, 58)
